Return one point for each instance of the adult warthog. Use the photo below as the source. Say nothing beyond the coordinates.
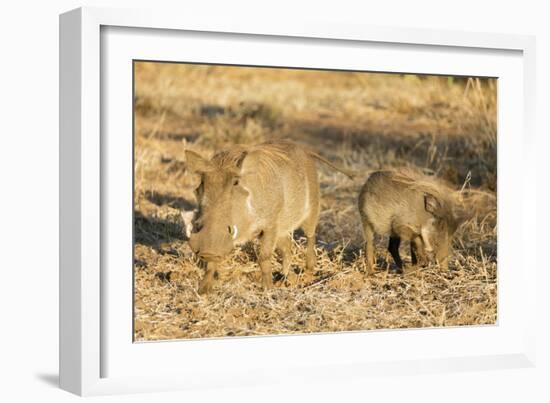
(410, 206)
(246, 192)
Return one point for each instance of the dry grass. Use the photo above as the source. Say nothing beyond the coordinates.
(363, 121)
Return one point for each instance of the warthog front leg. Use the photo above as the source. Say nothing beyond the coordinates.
(444, 263)
(267, 247)
(418, 256)
(207, 281)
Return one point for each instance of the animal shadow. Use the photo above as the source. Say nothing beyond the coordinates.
(153, 231)
(177, 202)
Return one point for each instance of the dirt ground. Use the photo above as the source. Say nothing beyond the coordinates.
(444, 126)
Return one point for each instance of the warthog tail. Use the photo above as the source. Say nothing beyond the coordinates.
(349, 173)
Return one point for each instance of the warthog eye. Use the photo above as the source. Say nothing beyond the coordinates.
(199, 189)
(235, 181)
(232, 229)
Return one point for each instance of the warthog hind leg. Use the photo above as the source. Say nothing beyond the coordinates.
(393, 247)
(284, 245)
(309, 227)
(368, 234)
(267, 247)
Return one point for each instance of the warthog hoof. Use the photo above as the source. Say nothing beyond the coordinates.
(297, 270)
(267, 283)
(397, 270)
(278, 276)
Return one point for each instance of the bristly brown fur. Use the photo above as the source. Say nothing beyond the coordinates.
(416, 180)
(270, 155)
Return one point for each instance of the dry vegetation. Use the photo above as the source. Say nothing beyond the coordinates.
(445, 126)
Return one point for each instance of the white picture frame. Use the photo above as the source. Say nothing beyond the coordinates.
(97, 355)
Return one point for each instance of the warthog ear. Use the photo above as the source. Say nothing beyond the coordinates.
(195, 163)
(431, 204)
(240, 159)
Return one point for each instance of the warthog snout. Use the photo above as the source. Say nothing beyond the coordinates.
(208, 249)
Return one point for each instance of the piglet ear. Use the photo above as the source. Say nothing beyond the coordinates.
(431, 204)
(195, 163)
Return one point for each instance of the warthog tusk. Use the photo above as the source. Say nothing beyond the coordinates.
(425, 237)
(235, 232)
